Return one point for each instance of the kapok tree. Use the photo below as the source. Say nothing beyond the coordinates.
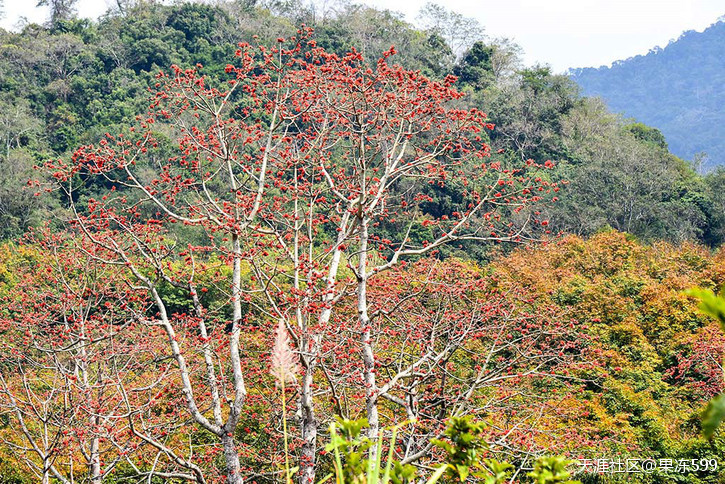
(68, 338)
(81, 381)
(450, 344)
(372, 145)
(300, 167)
(370, 148)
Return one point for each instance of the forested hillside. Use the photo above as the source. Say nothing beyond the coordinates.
(261, 241)
(677, 89)
(67, 83)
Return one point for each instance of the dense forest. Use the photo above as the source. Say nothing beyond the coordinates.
(67, 83)
(261, 241)
(677, 88)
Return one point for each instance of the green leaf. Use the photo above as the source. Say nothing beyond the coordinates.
(326, 478)
(463, 471)
(710, 304)
(713, 416)
(437, 475)
(391, 455)
(499, 471)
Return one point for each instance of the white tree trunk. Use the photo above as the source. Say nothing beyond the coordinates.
(231, 460)
(371, 397)
(308, 426)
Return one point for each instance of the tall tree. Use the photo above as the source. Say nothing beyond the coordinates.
(460, 32)
(59, 9)
(68, 333)
(291, 171)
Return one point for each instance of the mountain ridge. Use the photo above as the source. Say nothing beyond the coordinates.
(679, 89)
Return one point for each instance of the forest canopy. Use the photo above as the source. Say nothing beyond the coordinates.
(66, 83)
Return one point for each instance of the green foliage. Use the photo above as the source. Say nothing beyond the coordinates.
(713, 416)
(648, 134)
(476, 67)
(463, 459)
(20, 208)
(710, 304)
(713, 204)
(352, 450)
(73, 80)
(551, 470)
(500, 472)
(463, 448)
(665, 200)
(10, 474)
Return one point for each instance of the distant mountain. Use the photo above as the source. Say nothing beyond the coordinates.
(679, 89)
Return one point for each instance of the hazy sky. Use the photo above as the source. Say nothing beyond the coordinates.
(562, 33)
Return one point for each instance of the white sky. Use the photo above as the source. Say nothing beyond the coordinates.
(562, 33)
